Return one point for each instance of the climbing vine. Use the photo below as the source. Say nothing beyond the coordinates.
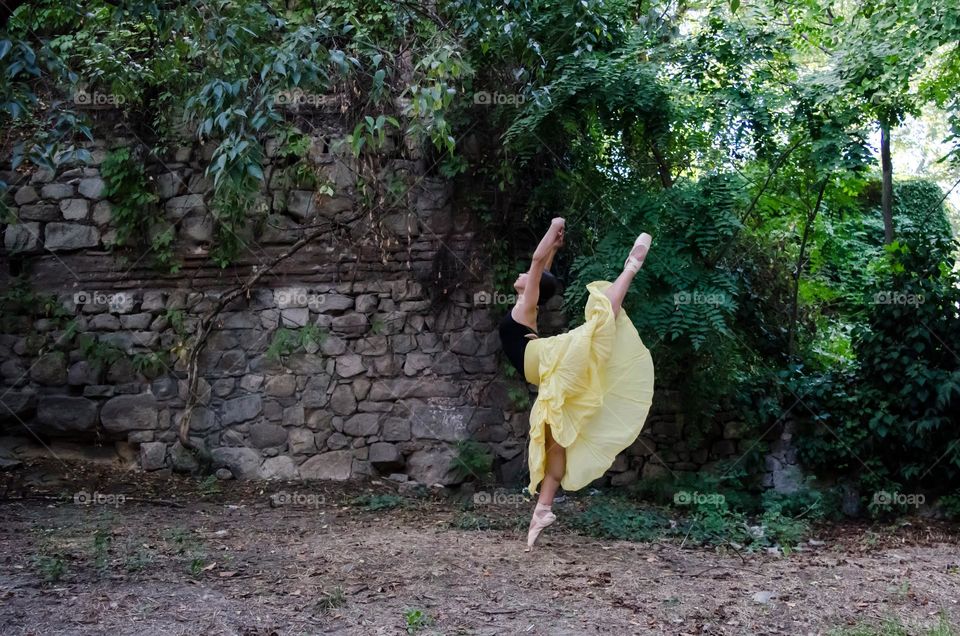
(134, 214)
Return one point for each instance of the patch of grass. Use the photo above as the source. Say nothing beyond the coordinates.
(196, 566)
(209, 486)
(101, 549)
(377, 502)
(470, 521)
(137, 561)
(181, 539)
(332, 600)
(895, 627)
(870, 539)
(51, 567)
(185, 544)
(619, 519)
(416, 620)
(714, 525)
(711, 523)
(805, 503)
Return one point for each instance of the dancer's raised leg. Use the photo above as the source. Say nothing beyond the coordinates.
(618, 290)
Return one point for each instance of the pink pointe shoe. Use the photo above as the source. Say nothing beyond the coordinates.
(542, 517)
(634, 264)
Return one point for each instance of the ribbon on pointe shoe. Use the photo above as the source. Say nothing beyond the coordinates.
(634, 264)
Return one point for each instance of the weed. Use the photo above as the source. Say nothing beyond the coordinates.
(101, 548)
(332, 600)
(470, 521)
(473, 460)
(617, 519)
(137, 561)
(51, 567)
(209, 486)
(377, 502)
(416, 620)
(196, 566)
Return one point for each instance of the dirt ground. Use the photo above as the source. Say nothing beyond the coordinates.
(180, 556)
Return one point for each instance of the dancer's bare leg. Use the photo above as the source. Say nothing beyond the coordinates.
(543, 516)
(556, 465)
(618, 290)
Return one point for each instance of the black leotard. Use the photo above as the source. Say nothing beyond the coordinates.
(514, 341)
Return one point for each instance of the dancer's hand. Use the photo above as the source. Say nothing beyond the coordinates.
(557, 225)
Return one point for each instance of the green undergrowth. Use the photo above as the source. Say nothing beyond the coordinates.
(896, 627)
(373, 503)
(706, 510)
(700, 510)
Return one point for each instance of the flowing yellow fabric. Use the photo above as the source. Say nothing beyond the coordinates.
(595, 390)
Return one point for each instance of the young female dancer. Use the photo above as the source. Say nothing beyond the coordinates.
(595, 382)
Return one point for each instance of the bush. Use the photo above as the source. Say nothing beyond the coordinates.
(473, 460)
(710, 522)
(894, 417)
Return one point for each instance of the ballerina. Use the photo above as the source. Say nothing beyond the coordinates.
(595, 382)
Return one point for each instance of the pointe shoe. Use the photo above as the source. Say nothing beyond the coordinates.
(538, 523)
(634, 264)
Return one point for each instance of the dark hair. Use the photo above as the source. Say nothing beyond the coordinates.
(549, 287)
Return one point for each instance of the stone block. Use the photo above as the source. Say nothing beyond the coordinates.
(125, 413)
(334, 465)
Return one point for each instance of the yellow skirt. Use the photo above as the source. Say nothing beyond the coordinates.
(595, 390)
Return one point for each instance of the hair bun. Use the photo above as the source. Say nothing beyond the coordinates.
(550, 286)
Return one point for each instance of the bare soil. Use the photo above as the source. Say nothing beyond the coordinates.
(178, 556)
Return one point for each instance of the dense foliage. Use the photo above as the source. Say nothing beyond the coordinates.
(738, 134)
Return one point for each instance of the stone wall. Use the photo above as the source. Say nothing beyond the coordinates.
(407, 363)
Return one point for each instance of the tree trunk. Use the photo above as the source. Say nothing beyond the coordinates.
(798, 270)
(663, 166)
(886, 194)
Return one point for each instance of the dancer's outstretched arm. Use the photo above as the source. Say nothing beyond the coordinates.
(527, 304)
(553, 252)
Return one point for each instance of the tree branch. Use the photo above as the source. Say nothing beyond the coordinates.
(206, 323)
